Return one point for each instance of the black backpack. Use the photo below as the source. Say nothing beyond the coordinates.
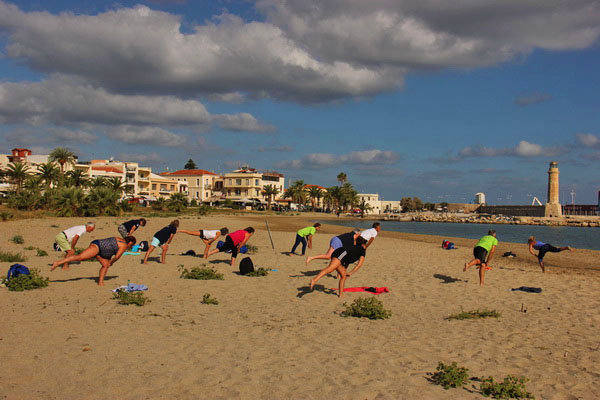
(246, 266)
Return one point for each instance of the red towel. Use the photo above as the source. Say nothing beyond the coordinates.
(374, 290)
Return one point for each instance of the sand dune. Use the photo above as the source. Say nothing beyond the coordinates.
(271, 338)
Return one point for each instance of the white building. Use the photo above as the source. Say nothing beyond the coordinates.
(379, 206)
(480, 198)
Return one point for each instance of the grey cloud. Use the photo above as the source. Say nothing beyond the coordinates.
(144, 51)
(141, 158)
(60, 102)
(321, 160)
(146, 136)
(284, 149)
(527, 100)
(50, 136)
(523, 149)
(593, 156)
(417, 34)
(588, 140)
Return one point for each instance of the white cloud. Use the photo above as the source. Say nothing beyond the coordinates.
(523, 149)
(141, 158)
(306, 50)
(146, 136)
(358, 158)
(61, 102)
(588, 140)
(526, 100)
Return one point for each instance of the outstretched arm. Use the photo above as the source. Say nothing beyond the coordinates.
(118, 255)
(360, 263)
(310, 241)
(193, 233)
(491, 254)
(531, 250)
(74, 241)
(133, 228)
(369, 242)
(243, 242)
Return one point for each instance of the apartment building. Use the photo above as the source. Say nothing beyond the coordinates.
(197, 184)
(135, 178)
(163, 186)
(27, 157)
(380, 206)
(246, 184)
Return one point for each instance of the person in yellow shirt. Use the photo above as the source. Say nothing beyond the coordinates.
(302, 235)
(482, 253)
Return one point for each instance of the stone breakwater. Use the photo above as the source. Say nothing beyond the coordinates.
(506, 219)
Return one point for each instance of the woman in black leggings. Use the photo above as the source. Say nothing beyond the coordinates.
(107, 252)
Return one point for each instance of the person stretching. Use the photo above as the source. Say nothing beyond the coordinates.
(234, 241)
(208, 237)
(340, 260)
(301, 236)
(127, 228)
(107, 252)
(162, 239)
(482, 253)
(346, 240)
(370, 234)
(68, 238)
(542, 249)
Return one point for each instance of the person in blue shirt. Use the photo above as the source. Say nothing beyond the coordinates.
(542, 249)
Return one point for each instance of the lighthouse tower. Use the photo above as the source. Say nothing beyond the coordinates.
(553, 208)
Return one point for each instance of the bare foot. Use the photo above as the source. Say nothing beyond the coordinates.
(312, 284)
(466, 267)
(54, 266)
(569, 248)
(100, 284)
(307, 260)
(65, 268)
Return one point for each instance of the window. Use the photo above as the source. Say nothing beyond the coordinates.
(154, 186)
(206, 181)
(197, 182)
(256, 182)
(247, 182)
(206, 194)
(163, 186)
(230, 182)
(238, 192)
(197, 194)
(172, 187)
(238, 182)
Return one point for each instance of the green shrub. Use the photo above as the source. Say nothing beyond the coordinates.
(260, 271)
(202, 274)
(193, 203)
(29, 248)
(475, 314)
(512, 387)
(126, 298)
(23, 282)
(6, 256)
(5, 215)
(41, 253)
(252, 249)
(450, 376)
(206, 299)
(366, 307)
(18, 239)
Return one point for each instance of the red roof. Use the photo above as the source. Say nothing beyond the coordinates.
(107, 169)
(311, 186)
(189, 172)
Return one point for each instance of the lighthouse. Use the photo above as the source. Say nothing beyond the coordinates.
(553, 207)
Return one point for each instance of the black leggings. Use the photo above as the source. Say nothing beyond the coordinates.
(299, 239)
(547, 248)
(228, 245)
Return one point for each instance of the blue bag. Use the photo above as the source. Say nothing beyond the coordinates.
(16, 270)
(243, 249)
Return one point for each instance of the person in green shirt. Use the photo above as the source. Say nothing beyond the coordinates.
(482, 253)
(302, 235)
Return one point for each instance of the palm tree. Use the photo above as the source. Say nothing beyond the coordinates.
(17, 172)
(342, 178)
(71, 201)
(49, 173)
(315, 193)
(62, 156)
(77, 178)
(270, 191)
(364, 207)
(97, 181)
(159, 204)
(349, 196)
(116, 184)
(334, 197)
(34, 183)
(296, 192)
(177, 202)
(103, 201)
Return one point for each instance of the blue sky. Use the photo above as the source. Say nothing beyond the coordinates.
(415, 98)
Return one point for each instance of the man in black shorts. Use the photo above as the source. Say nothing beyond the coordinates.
(341, 259)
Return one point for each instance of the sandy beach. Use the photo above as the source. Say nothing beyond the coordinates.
(271, 338)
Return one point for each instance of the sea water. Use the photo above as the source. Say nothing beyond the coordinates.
(578, 237)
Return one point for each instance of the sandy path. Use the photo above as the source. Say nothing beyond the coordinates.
(270, 338)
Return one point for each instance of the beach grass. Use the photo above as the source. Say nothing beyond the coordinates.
(475, 314)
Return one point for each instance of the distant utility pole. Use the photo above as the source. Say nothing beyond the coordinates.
(572, 196)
